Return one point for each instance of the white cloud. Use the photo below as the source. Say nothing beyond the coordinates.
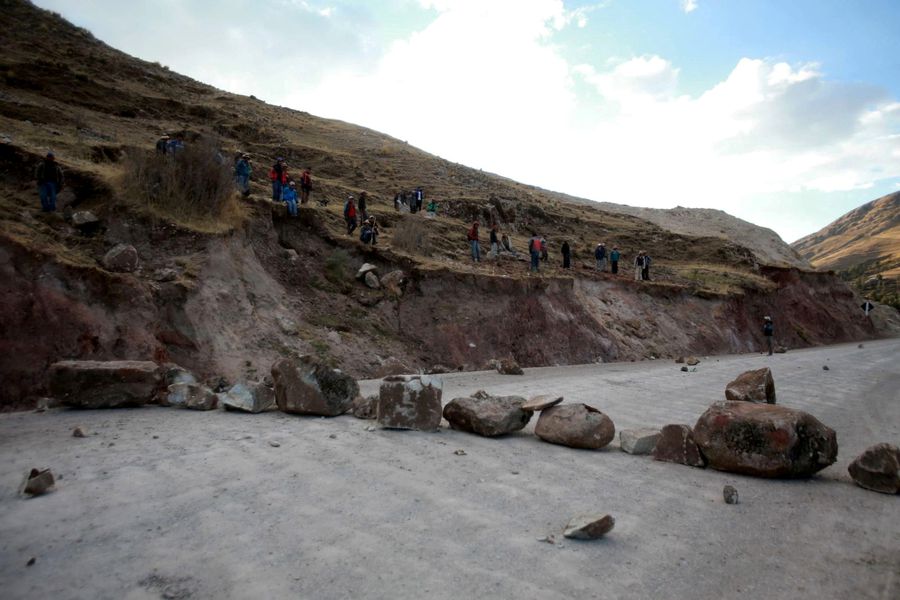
(688, 6)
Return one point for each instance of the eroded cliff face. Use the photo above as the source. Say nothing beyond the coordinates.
(229, 306)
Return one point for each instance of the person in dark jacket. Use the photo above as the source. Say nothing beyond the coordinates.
(639, 266)
(361, 206)
(279, 176)
(49, 177)
(242, 172)
(162, 144)
(614, 260)
(769, 332)
(495, 243)
(305, 185)
(645, 272)
(567, 255)
(600, 256)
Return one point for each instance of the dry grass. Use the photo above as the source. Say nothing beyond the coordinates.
(411, 235)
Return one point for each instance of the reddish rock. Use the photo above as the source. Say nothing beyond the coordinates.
(589, 527)
(576, 426)
(305, 386)
(764, 440)
(878, 469)
(104, 384)
(410, 402)
(487, 415)
(752, 386)
(676, 444)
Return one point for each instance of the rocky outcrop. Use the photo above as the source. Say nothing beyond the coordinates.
(487, 415)
(764, 440)
(191, 395)
(104, 384)
(410, 402)
(752, 386)
(638, 441)
(576, 426)
(676, 445)
(122, 258)
(878, 469)
(305, 386)
(249, 396)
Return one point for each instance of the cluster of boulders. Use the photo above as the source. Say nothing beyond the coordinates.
(746, 433)
(391, 282)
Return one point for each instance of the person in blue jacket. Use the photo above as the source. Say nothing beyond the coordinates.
(242, 171)
(289, 197)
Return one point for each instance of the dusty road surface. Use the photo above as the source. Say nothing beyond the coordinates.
(160, 502)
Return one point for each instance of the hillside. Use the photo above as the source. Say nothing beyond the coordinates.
(225, 289)
(866, 240)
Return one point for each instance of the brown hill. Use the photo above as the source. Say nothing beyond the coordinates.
(226, 287)
(864, 242)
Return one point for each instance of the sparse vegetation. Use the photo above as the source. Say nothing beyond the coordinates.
(411, 235)
(193, 188)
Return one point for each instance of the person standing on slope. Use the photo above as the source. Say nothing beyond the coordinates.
(534, 249)
(305, 185)
(495, 243)
(242, 171)
(49, 177)
(350, 215)
(567, 255)
(769, 332)
(639, 266)
(600, 255)
(472, 236)
(279, 176)
(614, 260)
(645, 272)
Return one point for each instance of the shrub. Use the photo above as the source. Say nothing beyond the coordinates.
(195, 185)
(337, 267)
(412, 236)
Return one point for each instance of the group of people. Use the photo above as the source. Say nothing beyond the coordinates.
(411, 201)
(284, 188)
(356, 210)
(170, 145)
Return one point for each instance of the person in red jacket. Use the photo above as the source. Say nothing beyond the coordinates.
(305, 185)
(350, 215)
(279, 176)
(472, 236)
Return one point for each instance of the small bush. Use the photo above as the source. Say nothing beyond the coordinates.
(195, 185)
(412, 236)
(337, 267)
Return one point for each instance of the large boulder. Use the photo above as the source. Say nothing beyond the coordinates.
(191, 395)
(305, 386)
(764, 440)
(122, 258)
(752, 386)
(878, 469)
(249, 396)
(576, 426)
(676, 445)
(393, 283)
(487, 415)
(104, 384)
(410, 402)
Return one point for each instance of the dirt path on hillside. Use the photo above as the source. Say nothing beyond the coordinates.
(158, 502)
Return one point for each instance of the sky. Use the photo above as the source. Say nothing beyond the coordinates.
(785, 113)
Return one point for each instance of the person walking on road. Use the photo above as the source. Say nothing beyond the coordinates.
(49, 177)
(769, 332)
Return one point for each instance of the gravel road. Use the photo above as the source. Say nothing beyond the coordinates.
(158, 502)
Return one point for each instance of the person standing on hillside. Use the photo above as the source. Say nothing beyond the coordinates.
(350, 215)
(472, 236)
(495, 242)
(242, 172)
(176, 145)
(361, 207)
(614, 260)
(162, 143)
(639, 266)
(769, 332)
(645, 272)
(49, 177)
(279, 176)
(545, 255)
(600, 255)
(431, 209)
(289, 197)
(567, 255)
(305, 185)
(420, 198)
(534, 249)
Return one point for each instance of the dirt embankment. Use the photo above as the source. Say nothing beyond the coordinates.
(229, 305)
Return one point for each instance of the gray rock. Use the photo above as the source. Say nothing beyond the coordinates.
(365, 407)
(393, 282)
(371, 280)
(692, 361)
(730, 494)
(104, 384)
(288, 326)
(249, 396)
(576, 426)
(305, 386)
(877, 469)
(84, 218)
(589, 527)
(410, 402)
(539, 403)
(638, 441)
(366, 268)
(191, 395)
(752, 386)
(38, 482)
(685, 369)
(487, 415)
(79, 432)
(123, 258)
(508, 366)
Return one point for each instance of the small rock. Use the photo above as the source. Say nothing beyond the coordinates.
(692, 361)
(877, 469)
(365, 407)
(165, 275)
(679, 360)
(366, 268)
(589, 527)
(638, 441)
(538, 403)
(274, 444)
(860, 346)
(437, 370)
(288, 326)
(508, 366)
(333, 436)
(31, 561)
(730, 494)
(38, 482)
(122, 258)
(370, 428)
(155, 437)
(685, 369)
(78, 432)
(371, 280)
(393, 282)
(780, 349)
(825, 368)
(459, 452)
(547, 539)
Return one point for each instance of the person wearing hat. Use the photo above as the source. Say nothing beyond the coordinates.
(279, 176)
(350, 214)
(162, 143)
(49, 177)
(614, 260)
(289, 197)
(600, 256)
(768, 331)
(242, 172)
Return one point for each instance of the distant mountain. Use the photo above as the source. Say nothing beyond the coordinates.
(863, 243)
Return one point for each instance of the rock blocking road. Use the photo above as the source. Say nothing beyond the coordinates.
(271, 505)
